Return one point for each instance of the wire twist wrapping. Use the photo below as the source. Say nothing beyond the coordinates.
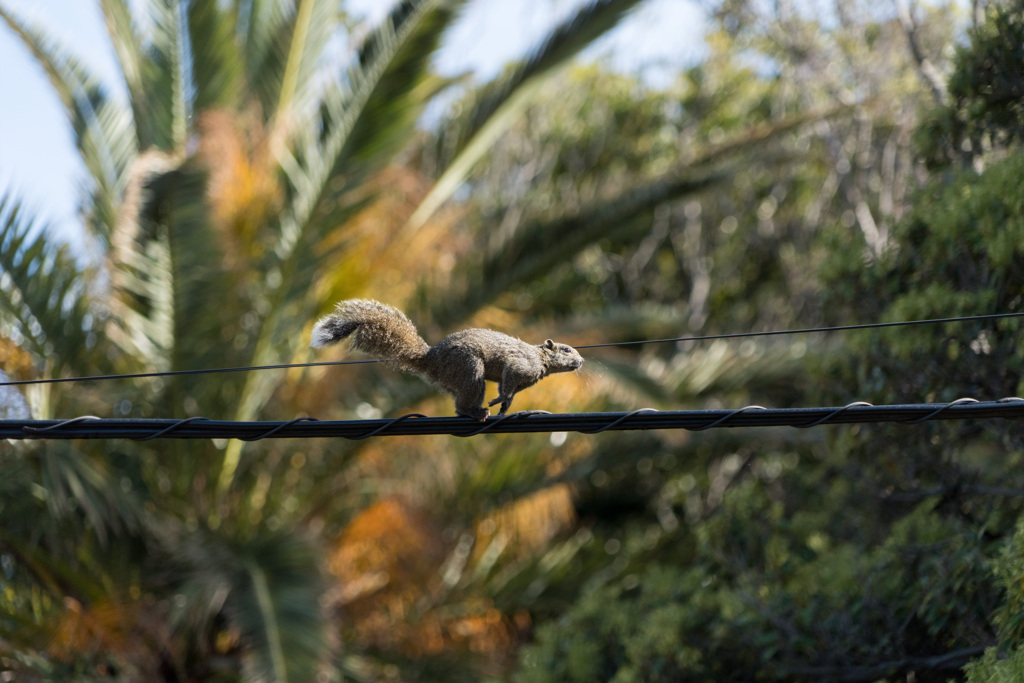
(92, 427)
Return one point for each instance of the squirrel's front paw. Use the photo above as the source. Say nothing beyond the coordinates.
(478, 414)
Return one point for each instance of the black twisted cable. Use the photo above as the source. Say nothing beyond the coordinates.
(92, 427)
(726, 418)
(171, 428)
(384, 428)
(275, 430)
(59, 425)
(939, 410)
(491, 424)
(837, 411)
(616, 423)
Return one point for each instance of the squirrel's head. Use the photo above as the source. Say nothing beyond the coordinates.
(561, 357)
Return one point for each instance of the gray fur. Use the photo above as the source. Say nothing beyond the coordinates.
(459, 364)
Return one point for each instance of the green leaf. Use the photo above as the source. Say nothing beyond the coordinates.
(216, 57)
(400, 50)
(44, 303)
(127, 44)
(312, 25)
(164, 113)
(365, 119)
(507, 97)
(264, 27)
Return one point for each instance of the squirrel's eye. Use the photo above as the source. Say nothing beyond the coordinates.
(565, 349)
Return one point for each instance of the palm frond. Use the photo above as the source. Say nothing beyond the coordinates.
(355, 139)
(258, 22)
(388, 63)
(507, 96)
(44, 303)
(78, 489)
(104, 130)
(263, 29)
(313, 24)
(718, 370)
(169, 75)
(269, 588)
(397, 100)
(540, 245)
(127, 44)
(349, 141)
(216, 56)
(71, 491)
(163, 113)
(165, 267)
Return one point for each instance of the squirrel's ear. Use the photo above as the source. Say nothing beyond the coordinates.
(549, 344)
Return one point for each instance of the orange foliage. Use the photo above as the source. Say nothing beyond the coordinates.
(530, 522)
(15, 362)
(243, 189)
(390, 551)
(388, 562)
(379, 258)
(130, 634)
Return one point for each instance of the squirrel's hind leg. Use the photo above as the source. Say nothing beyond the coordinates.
(504, 400)
(469, 392)
(507, 389)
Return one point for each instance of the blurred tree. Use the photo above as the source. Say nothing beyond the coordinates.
(869, 554)
(984, 114)
(233, 174)
(956, 251)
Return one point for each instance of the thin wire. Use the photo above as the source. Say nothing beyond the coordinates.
(839, 328)
(735, 335)
(175, 373)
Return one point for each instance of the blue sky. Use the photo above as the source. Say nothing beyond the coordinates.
(38, 162)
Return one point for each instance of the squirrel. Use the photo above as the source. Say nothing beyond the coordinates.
(459, 364)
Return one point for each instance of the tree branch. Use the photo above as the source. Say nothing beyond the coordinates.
(928, 70)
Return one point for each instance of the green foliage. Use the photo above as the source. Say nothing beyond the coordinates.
(770, 594)
(43, 302)
(268, 586)
(991, 668)
(495, 106)
(873, 558)
(1005, 663)
(956, 253)
(597, 173)
(986, 92)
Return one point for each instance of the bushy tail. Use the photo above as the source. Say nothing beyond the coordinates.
(377, 329)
